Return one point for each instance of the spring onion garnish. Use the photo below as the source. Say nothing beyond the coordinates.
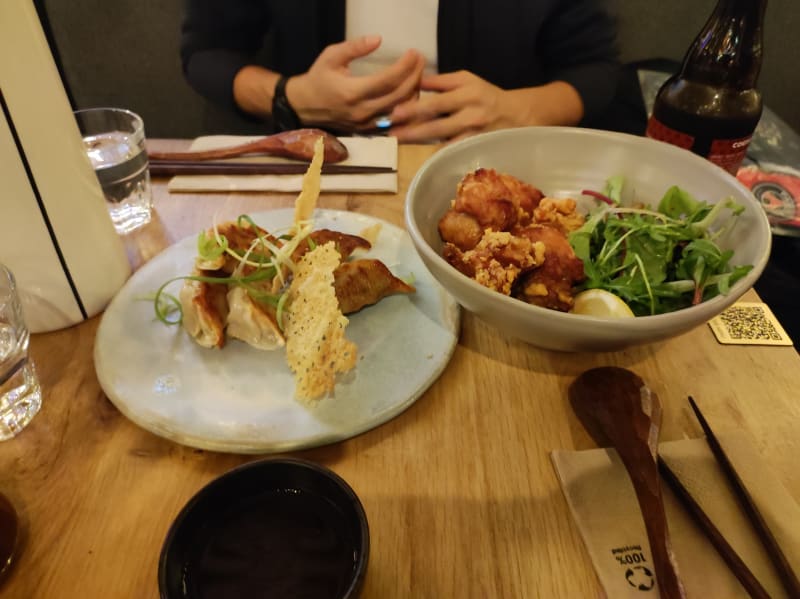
(167, 305)
(409, 279)
(280, 308)
(209, 248)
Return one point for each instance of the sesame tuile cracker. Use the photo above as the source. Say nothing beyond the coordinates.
(312, 181)
(371, 233)
(316, 347)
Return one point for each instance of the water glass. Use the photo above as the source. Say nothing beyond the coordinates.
(114, 141)
(20, 394)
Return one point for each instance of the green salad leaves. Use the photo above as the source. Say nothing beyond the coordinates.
(657, 260)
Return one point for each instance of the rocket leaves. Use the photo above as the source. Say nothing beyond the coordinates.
(658, 260)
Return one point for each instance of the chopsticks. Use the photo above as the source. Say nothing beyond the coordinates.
(208, 167)
(776, 555)
(787, 576)
(726, 552)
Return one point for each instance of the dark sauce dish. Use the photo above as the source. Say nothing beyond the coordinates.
(9, 535)
(275, 528)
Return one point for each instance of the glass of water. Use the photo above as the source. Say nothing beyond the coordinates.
(20, 394)
(114, 142)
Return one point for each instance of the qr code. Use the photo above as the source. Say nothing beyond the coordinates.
(749, 322)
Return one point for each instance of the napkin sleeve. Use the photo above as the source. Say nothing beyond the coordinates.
(603, 504)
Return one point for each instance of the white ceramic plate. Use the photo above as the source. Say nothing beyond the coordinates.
(240, 399)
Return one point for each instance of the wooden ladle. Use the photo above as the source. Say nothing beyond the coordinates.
(298, 144)
(618, 409)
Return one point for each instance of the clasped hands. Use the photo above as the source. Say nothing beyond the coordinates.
(329, 95)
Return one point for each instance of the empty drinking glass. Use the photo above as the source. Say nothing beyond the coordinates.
(20, 394)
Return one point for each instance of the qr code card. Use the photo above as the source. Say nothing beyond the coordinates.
(749, 323)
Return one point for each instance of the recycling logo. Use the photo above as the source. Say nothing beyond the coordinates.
(640, 578)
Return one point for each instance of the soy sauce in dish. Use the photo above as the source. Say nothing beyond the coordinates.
(9, 533)
(282, 543)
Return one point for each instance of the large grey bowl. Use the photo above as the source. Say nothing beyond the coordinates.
(565, 161)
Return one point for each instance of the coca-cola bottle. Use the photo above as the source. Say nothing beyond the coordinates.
(711, 106)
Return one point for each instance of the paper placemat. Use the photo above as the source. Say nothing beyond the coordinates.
(363, 151)
(603, 503)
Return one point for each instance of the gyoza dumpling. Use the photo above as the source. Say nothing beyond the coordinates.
(251, 322)
(365, 282)
(205, 309)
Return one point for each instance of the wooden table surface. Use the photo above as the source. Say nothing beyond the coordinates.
(460, 492)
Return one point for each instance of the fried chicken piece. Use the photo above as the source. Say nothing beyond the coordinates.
(252, 322)
(498, 201)
(504, 234)
(205, 309)
(365, 282)
(461, 229)
(497, 260)
(455, 257)
(559, 213)
(525, 196)
(550, 285)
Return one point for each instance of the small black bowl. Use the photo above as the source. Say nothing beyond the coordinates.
(9, 535)
(273, 528)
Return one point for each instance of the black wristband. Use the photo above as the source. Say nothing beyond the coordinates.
(283, 115)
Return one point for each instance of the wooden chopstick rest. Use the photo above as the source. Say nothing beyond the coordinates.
(787, 576)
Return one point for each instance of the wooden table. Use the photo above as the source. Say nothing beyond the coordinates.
(460, 492)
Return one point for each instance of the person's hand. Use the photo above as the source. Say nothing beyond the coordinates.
(466, 105)
(328, 95)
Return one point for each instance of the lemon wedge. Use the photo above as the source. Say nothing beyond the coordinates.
(601, 303)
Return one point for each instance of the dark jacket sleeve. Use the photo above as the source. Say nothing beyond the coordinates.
(218, 38)
(578, 44)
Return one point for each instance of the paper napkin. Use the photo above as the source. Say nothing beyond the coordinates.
(363, 151)
(603, 504)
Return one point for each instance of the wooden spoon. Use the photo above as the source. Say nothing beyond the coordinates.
(618, 409)
(297, 144)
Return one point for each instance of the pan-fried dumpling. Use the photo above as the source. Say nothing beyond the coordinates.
(251, 322)
(205, 309)
(365, 282)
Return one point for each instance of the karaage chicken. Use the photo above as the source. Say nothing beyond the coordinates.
(506, 235)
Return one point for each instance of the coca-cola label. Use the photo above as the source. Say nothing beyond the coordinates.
(729, 153)
(726, 153)
(658, 130)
